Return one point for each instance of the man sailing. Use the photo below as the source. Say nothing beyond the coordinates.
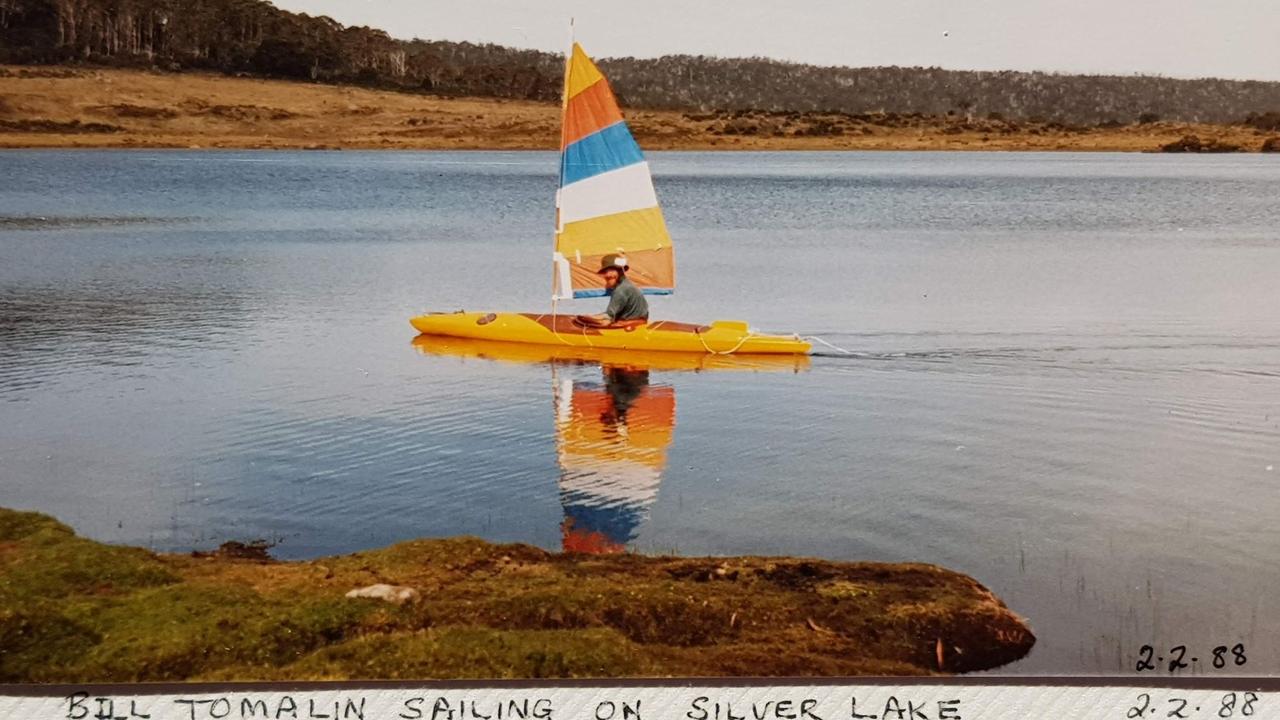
(627, 305)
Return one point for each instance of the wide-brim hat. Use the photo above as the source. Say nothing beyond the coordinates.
(612, 262)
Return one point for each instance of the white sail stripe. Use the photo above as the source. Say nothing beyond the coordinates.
(617, 191)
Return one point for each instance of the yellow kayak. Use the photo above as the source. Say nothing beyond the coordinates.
(527, 353)
(722, 337)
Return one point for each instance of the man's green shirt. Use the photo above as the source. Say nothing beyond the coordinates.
(626, 302)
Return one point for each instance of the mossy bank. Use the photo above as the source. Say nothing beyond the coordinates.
(75, 610)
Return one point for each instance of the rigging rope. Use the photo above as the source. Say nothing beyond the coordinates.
(749, 335)
(556, 332)
(731, 351)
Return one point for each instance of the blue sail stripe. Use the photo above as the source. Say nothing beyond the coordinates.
(600, 292)
(607, 149)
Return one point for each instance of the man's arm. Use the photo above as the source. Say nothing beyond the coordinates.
(600, 320)
(616, 301)
(607, 317)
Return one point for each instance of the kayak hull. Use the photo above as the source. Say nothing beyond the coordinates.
(531, 354)
(720, 337)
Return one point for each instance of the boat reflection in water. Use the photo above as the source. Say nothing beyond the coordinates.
(612, 435)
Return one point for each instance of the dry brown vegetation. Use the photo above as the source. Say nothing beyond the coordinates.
(258, 38)
(60, 107)
(74, 610)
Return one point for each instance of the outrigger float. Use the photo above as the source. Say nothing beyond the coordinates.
(606, 204)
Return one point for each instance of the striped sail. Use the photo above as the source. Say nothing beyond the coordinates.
(606, 203)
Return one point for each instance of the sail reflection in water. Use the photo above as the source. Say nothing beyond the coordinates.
(612, 434)
(611, 443)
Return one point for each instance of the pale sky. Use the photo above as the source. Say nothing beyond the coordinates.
(1178, 38)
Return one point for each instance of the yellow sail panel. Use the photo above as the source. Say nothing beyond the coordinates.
(582, 73)
(640, 235)
(624, 232)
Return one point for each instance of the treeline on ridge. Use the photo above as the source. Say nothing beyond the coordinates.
(255, 37)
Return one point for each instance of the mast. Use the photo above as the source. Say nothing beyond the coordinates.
(560, 266)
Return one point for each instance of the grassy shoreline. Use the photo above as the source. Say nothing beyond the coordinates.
(52, 107)
(75, 610)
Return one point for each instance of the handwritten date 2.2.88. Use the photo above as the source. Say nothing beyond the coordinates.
(1228, 705)
(1222, 657)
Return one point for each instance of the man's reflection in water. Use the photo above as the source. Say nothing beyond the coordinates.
(612, 444)
(625, 386)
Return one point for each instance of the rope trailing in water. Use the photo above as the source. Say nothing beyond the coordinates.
(815, 338)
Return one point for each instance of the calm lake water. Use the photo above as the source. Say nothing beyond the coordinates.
(1066, 380)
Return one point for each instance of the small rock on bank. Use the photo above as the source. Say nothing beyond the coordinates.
(397, 594)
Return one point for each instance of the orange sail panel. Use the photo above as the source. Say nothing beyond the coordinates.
(606, 203)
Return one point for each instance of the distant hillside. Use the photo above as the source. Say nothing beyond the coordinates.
(255, 37)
